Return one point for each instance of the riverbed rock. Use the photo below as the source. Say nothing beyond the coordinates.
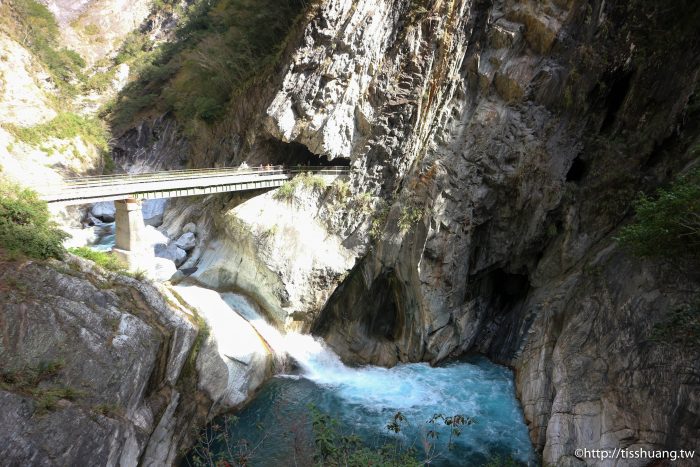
(163, 269)
(190, 227)
(234, 360)
(104, 210)
(171, 252)
(153, 210)
(98, 368)
(187, 241)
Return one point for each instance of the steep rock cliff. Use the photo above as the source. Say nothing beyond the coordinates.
(510, 138)
(103, 369)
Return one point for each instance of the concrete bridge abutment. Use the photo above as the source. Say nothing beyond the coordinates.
(131, 245)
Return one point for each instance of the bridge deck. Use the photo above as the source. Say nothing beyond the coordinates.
(176, 183)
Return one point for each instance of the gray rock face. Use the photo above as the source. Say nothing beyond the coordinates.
(152, 146)
(190, 227)
(588, 373)
(279, 252)
(507, 140)
(96, 369)
(105, 340)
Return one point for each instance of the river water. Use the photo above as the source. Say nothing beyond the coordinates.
(364, 399)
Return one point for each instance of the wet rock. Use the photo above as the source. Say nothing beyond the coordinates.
(190, 227)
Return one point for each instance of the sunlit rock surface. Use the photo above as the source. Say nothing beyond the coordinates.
(280, 253)
(234, 360)
(118, 351)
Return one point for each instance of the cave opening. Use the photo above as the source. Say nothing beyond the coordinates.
(293, 154)
(509, 287)
(576, 171)
(385, 320)
(501, 288)
(619, 85)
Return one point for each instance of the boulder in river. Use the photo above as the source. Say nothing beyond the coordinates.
(187, 241)
(153, 210)
(171, 252)
(104, 210)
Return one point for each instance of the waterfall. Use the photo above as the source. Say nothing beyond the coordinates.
(365, 398)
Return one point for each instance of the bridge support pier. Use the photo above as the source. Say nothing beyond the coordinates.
(130, 244)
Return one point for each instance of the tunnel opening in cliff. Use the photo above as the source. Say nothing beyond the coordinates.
(293, 153)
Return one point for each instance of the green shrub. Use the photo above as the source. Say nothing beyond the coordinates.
(311, 181)
(38, 31)
(410, 216)
(333, 445)
(307, 179)
(668, 225)
(221, 48)
(105, 260)
(286, 191)
(28, 381)
(101, 80)
(379, 222)
(341, 190)
(25, 224)
(65, 125)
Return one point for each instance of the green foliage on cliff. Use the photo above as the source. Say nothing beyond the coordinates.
(36, 382)
(667, 225)
(101, 258)
(681, 327)
(307, 180)
(32, 24)
(25, 224)
(65, 125)
(221, 48)
(410, 216)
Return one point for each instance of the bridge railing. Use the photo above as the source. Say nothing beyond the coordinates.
(204, 175)
(197, 173)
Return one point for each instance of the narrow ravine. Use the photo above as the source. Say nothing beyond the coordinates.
(364, 399)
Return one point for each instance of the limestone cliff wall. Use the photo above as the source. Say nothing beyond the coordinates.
(497, 146)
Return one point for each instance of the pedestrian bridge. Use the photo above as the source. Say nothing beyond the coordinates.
(128, 190)
(174, 183)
